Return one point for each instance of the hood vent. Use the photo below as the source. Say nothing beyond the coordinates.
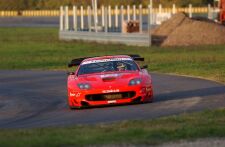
(108, 79)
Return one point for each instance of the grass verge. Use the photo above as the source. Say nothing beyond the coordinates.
(39, 48)
(152, 132)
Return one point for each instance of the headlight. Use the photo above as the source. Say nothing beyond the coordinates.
(84, 86)
(134, 82)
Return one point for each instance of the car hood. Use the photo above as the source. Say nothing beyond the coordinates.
(114, 80)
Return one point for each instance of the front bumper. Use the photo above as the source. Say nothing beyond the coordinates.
(83, 98)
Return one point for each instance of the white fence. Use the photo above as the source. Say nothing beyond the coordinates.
(105, 20)
(118, 14)
(109, 20)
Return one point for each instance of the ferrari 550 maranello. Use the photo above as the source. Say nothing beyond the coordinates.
(108, 80)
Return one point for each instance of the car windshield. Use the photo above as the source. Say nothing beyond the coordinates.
(109, 66)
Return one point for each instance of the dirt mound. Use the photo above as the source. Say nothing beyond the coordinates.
(183, 31)
(170, 25)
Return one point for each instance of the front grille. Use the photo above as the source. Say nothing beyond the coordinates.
(110, 96)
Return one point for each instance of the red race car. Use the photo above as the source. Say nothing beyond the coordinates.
(108, 80)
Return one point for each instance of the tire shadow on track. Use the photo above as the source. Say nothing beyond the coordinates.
(190, 93)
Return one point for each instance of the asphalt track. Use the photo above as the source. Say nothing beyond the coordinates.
(53, 21)
(29, 21)
(30, 99)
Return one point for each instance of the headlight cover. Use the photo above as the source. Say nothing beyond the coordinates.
(135, 82)
(84, 86)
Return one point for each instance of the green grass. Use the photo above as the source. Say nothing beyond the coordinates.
(208, 124)
(39, 48)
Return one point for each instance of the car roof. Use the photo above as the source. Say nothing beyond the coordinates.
(107, 57)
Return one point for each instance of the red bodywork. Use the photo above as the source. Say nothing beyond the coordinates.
(109, 87)
(222, 11)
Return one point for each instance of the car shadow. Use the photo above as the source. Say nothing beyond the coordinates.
(203, 92)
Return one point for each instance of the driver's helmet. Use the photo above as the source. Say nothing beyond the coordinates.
(121, 66)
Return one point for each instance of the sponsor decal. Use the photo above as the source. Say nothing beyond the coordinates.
(72, 94)
(109, 76)
(76, 94)
(111, 91)
(106, 60)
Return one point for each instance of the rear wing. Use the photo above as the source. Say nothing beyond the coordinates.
(78, 61)
(137, 57)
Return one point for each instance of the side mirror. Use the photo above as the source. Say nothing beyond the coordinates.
(70, 73)
(144, 67)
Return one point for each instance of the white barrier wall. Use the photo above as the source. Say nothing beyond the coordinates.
(118, 14)
(111, 20)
